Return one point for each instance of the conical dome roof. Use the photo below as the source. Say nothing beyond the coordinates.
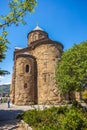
(37, 28)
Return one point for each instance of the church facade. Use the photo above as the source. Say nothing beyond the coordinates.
(34, 70)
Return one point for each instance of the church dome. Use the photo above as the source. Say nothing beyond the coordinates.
(36, 34)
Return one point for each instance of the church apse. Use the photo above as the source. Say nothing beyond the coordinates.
(24, 82)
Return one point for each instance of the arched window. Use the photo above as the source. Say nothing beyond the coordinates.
(27, 68)
(25, 85)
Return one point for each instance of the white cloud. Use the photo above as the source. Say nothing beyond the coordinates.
(1, 77)
(7, 83)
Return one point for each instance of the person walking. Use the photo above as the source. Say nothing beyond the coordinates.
(1, 100)
(8, 101)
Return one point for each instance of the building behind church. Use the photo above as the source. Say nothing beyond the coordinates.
(34, 70)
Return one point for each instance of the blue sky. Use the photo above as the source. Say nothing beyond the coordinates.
(63, 20)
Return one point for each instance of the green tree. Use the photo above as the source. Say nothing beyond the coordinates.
(84, 95)
(18, 9)
(71, 72)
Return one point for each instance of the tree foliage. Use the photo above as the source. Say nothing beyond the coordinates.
(18, 9)
(84, 95)
(71, 72)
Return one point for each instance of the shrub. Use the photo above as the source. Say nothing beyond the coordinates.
(62, 109)
(47, 119)
(76, 104)
(74, 120)
(56, 118)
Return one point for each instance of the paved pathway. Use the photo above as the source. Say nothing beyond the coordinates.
(8, 116)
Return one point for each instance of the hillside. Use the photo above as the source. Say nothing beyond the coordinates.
(5, 88)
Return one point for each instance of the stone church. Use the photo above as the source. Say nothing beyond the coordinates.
(34, 70)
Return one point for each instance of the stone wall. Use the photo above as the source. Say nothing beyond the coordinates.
(47, 56)
(12, 86)
(24, 81)
(38, 85)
